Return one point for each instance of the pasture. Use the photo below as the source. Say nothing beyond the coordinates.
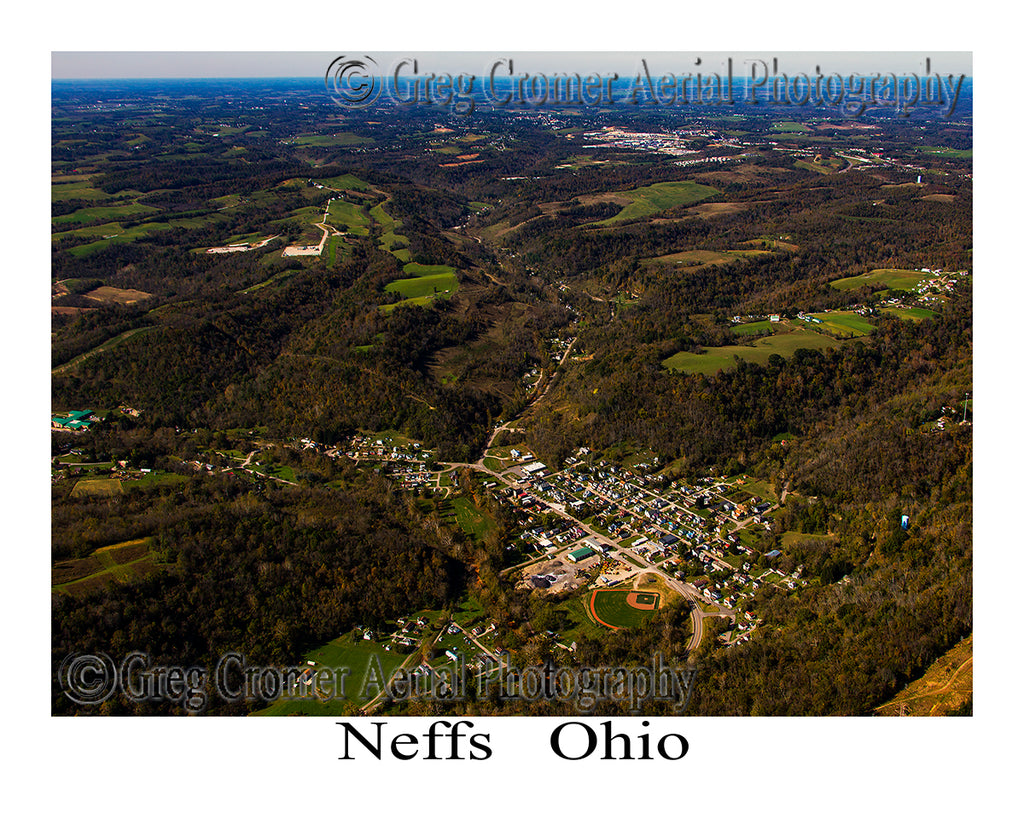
(429, 281)
(658, 197)
(120, 562)
(888, 277)
(347, 216)
(909, 313)
(843, 323)
(715, 359)
(97, 487)
(343, 139)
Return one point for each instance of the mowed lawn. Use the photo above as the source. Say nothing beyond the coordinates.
(360, 658)
(714, 359)
(658, 197)
(892, 278)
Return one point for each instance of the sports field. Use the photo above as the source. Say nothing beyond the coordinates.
(658, 197)
(623, 608)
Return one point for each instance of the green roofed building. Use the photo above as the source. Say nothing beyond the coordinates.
(581, 554)
(76, 420)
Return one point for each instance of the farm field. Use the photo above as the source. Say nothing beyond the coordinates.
(909, 313)
(331, 140)
(345, 182)
(714, 359)
(429, 281)
(117, 295)
(889, 277)
(843, 323)
(110, 233)
(701, 258)
(104, 212)
(658, 197)
(121, 562)
(97, 487)
(754, 327)
(347, 216)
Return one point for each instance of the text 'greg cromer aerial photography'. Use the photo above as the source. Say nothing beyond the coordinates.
(465, 384)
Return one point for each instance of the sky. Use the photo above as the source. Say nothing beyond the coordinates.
(203, 64)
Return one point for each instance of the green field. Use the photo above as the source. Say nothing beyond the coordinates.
(359, 657)
(889, 277)
(106, 212)
(345, 182)
(78, 188)
(429, 281)
(331, 140)
(953, 153)
(755, 327)
(390, 236)
(116, 235)
(700, 258)
(658, 197)
(714, 359)
(789, 127)
(909, 313)
(609, 606)
(347, 216)
(472, 521)
(843, 323)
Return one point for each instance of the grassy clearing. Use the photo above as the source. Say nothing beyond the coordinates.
(755, 327)
(343, 139)
(106, 345)
(97, 487)
(791, 538)
(79, 188)
(120, 562)
(658, 197)
(429, 281)
(789, 126)
(843, 323)
(122, 235)
(952, 153)
(103, 212)
(714, 359)
(474, 523)
(347, 216)
(891, 278)
(345, 182)
(909, 313)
